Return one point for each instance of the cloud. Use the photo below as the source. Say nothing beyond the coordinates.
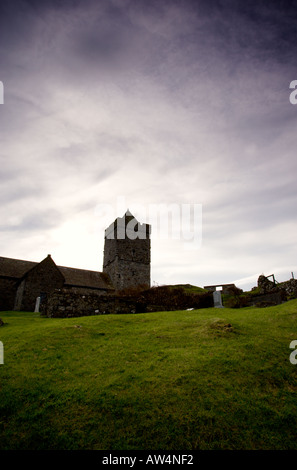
(160, 102)
(36, 222)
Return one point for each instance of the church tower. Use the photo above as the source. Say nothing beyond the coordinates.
(127, 253)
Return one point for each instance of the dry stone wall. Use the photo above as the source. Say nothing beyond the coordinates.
(69, 303)
(290, 287)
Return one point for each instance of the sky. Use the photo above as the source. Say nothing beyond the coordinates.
(150, 105)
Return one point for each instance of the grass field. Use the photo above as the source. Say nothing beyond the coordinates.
(201, 379)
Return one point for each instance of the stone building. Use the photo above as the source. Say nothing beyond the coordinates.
(127, 253)
(126, 264)
(21, 282)
(11, 271)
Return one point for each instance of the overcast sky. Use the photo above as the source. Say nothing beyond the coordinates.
(135, 103)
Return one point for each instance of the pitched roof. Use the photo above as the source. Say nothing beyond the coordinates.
(16, 268)
(85, 278)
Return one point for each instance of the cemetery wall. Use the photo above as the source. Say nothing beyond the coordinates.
(67, 302)
(290, 287)
(271, 298)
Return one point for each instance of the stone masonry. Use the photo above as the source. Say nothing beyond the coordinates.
(127, 253)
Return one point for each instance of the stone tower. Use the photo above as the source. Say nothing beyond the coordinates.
(127, 253)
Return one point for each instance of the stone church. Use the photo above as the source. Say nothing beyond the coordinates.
(126, 265)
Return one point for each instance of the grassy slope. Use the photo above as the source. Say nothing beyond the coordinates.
(170, 380)
(188, 288)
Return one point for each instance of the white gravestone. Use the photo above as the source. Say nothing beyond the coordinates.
(1, 353)
(217, 299)
(37, 304)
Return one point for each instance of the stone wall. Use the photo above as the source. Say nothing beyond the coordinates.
(290, 287)
(167, 298)
(127, 254)
(277, 292)
(266, 300)
(67, 302)
(127, 262)
(70, 303)
(266, 293)
(265, 285)
(7, 293)
(43, 278)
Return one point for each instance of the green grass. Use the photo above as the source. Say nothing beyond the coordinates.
(173, 380)
(188, 288)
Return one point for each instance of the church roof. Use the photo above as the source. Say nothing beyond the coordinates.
(85, 278)
(16, 269)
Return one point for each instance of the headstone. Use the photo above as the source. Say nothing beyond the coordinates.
(1, 353)
(37, 304)
(217, 299)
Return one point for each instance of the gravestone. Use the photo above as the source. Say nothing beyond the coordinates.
(37, 304)
(1, 353)
(217, 299)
